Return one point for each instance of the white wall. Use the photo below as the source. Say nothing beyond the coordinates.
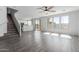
(3, 20)
(77, 22)
(27, 28)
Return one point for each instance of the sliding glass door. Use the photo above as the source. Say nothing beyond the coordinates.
(59, 24)
(38, 25)
(64, 24)
(50, 25)
(56, 22)
(53, 24)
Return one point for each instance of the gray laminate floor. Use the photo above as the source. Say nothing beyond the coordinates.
(37, 41)
(49, 42)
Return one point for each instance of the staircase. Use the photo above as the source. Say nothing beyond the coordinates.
(11, 30)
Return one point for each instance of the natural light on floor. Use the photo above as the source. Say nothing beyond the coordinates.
(47, 33)
(65, 36)
(58, 35)
(54, 34)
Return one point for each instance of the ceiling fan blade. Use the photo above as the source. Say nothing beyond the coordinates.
(52, 11)
(50, 7)
(41, 8)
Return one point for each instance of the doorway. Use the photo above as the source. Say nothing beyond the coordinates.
(38, 25)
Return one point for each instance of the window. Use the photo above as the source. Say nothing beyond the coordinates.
(28, 22)
(56, 20)
(37, 22)
(64, 19)
(61, 19)
(51, 20)
(61, 22)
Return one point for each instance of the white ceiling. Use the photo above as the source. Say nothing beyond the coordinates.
(33, 11)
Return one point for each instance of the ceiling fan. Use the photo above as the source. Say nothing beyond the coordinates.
(47, 9)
